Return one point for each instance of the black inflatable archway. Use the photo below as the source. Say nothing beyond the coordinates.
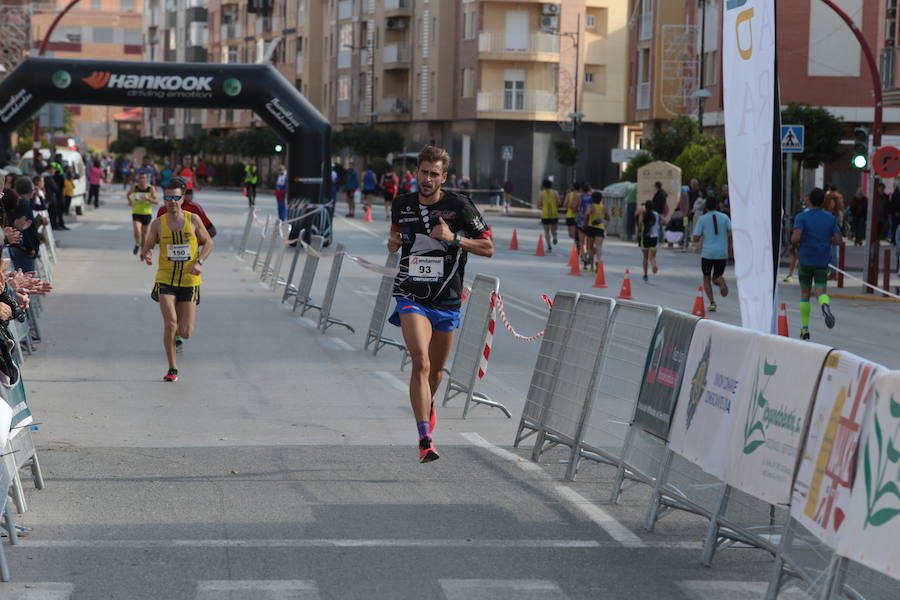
(261, 88)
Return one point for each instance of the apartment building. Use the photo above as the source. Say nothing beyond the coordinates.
(820, 62)
(481, 75)
(175, 31)
(93, 29)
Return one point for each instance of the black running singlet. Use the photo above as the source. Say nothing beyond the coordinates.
(431, 273)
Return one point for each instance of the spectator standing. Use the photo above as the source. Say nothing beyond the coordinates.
(659, 199)
(389, 183)
(24, 254)
(68, 191)
(351, 185)
(859, 209)
(96, 175)
(281, 192)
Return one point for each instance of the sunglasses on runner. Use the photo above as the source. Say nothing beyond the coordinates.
(173, 198)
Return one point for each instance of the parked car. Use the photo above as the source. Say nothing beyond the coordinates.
(70, 159)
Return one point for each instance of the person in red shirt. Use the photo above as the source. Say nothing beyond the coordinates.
(201, 172)
(187, 173)
(188, 205)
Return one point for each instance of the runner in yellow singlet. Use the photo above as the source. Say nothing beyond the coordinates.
(184, 245)
(595, 229)
(549, 212)
(573, 198)
(141, 198)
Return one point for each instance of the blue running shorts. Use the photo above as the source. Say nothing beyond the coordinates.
(446, 321)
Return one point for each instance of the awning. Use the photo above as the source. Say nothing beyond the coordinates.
(129, 115)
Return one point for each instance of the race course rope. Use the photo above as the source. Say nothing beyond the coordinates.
(509, 327)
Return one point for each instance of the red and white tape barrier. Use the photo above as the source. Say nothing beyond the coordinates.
(503, 317)
(486, 353)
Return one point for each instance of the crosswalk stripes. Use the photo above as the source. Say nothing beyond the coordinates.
(734, 590)
(36, 591)
(501, 589)
(252, 589)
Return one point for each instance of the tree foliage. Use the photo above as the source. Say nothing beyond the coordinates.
(631, 171)
(822, 136)
(367, 142)
(704, 160)
(668, 144)
(566, 152)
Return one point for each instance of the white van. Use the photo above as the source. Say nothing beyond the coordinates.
(70, 159)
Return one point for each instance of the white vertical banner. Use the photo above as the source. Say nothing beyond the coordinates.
(749, 73)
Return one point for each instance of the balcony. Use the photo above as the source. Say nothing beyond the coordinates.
(536, 46)
(398, 6)
(394, 106)
(643, 96)
(267, 24)
(230, 31)
(396, 56)
(646, 26)
(517, 102)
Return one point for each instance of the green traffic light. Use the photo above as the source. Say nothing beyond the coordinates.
(278, 147)
(859, 161)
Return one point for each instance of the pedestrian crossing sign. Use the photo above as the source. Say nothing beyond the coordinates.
(792, 138)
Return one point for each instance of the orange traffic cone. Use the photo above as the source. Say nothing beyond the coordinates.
(699, 309)
(783, 321)
(573, 256)
(368, 218)
(600, 279)
(575, 266)
(625, 291)
(514, 242)
(540, 246)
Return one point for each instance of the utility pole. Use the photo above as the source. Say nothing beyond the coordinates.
(702, 62)
(574, 115)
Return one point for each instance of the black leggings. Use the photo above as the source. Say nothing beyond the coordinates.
(94, 193)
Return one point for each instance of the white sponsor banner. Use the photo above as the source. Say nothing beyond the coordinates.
(870, 534)
(748, 67)
(713, 393)
(6, 416)
(822, 486)
(768, 433)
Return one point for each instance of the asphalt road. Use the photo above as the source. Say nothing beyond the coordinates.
(283, 463)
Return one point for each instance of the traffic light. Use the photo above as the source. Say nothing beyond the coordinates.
(859, 158)
(278, 147)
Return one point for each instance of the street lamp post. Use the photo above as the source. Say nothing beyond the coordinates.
(37, 120)
(575, 115)
(369, 47)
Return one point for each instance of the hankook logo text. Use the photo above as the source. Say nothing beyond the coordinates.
(171, 83)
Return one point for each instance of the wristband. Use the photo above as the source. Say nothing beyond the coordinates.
(200, 261)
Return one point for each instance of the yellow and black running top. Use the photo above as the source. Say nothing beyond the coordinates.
(178, 250)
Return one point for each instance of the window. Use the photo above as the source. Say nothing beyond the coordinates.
(591, 22)
(126, 5)
(709, 68)
(468, 80)
(588, 78)
(343, 87)
(96, 5)
(346, 36)
(132, 37)
(104, 35)
(514, 89)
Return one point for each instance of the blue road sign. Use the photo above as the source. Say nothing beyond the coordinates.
(792, 138)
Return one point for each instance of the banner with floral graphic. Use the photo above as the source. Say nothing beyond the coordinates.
(714, 391)
(768, 434)
(870, 534)
(828, 463)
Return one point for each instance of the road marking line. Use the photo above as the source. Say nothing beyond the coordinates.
(734, 590)
(108, 227)
(131, 544)
(501, 589)
(360, 227)
(38, 591)
(337, 343)
(387, 378)
(600, 517)
(74, 225)
(307, 322)
(259, 589)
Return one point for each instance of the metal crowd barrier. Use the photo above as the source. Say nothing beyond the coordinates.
(8, 521)
(470, 346)
(274, 240)
(325, 318)
(275, 277)
(609, 408)
(289, 288)
(262, 240)
(301, 296)
(546, 368)
(245, 236)
(380, 312)
(563, 412)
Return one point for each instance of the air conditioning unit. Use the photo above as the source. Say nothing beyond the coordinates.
(549, 22)
(395, 23)
(550, 9)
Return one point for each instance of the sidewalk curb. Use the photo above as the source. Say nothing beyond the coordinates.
(872, 298)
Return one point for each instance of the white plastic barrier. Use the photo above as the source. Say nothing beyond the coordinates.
(325, 318)
(381, 310)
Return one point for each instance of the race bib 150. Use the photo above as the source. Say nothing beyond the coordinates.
(179, 252)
